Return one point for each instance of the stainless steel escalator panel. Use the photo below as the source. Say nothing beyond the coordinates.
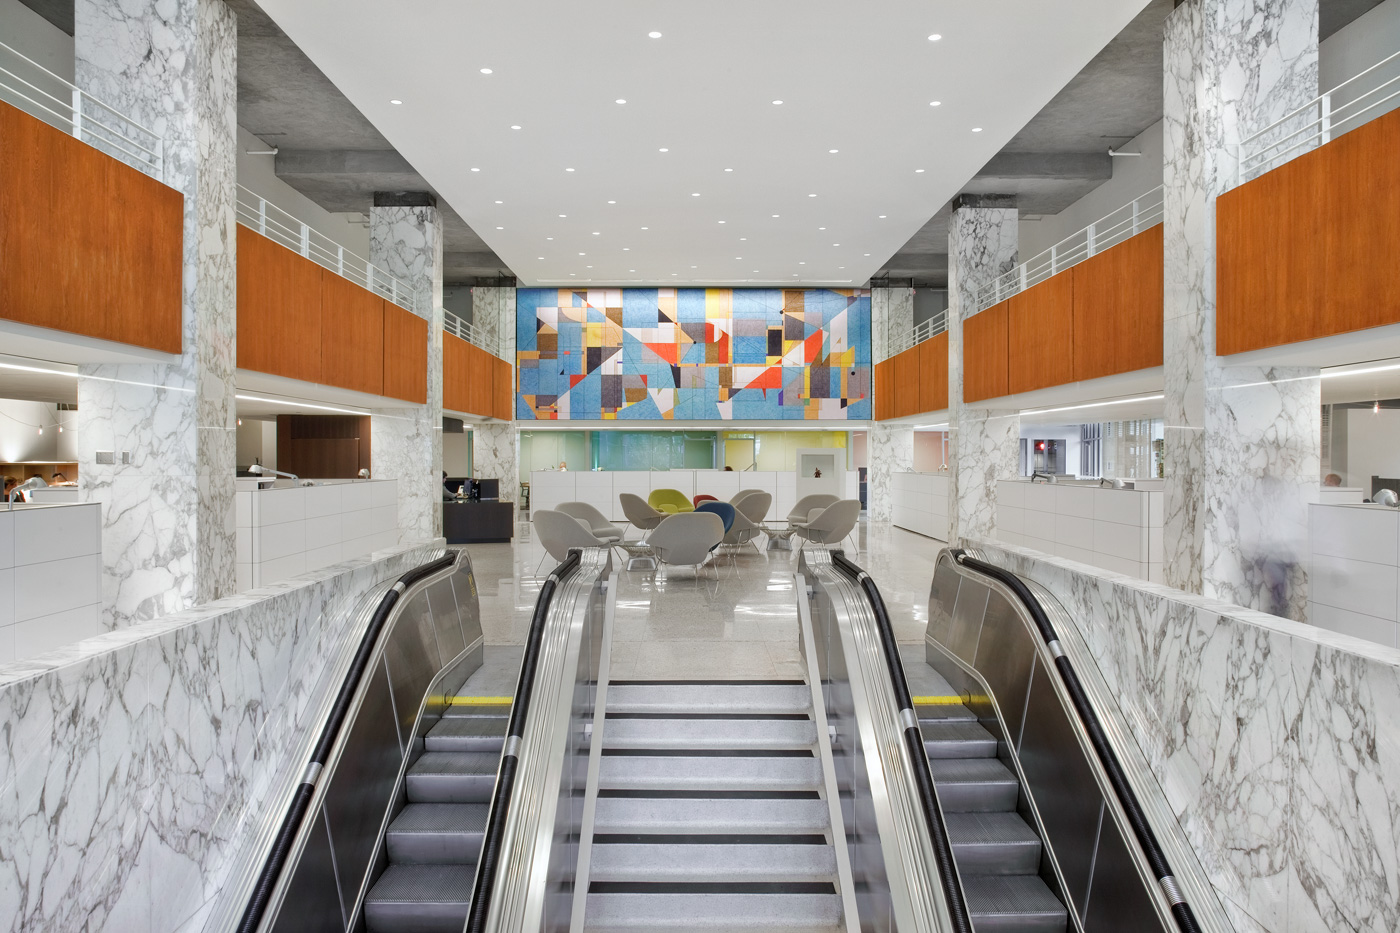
(1117, 898)
(412, 660)
(451, 639)
(317, 908)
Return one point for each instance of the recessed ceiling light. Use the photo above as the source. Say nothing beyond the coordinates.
(631, 270)
(597, 232)
(811, 195)
(802, 264)
(515, 126)
(821, 228)
(882, 216)
(663, 149)
(590, 267)
(573, 273)
(486, 71)
(867, 254)
(835, 244)
(721, 221)
(918, 171)
(396, 101)
(549, 238)
(775, 215)
(935, 37)
(563, 215)
(612, 202)
(539, 257)
(695, 194)
(833, 151)
(977, 129)
(583, 254)
(646, 228)
(729, 170)
(620, 100)
(673, 273)
(500, 228)
(694, 267)
(500, 202)
(627, 249)
(777, 103)
(653, 35)
(568, 170)
(742, 239)
(476, 170)
(935, 103)
(738, 257)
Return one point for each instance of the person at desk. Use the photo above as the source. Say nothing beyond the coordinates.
(447, 494)
(10, 483)
(1332, 479)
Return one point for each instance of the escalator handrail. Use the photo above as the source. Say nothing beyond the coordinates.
(914, 742)
(1132, 809)
(489, 862)
(290, 828)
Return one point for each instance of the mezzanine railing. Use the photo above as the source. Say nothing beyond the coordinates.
(470, 333)
(31, 87)
(932, 327)
(1355, 101)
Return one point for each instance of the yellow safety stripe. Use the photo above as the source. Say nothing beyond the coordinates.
(939, 701)
(482, 701)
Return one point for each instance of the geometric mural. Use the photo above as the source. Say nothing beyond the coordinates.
(692, 353)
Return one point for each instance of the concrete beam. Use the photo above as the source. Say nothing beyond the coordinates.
(342, 162)
(1065, 166)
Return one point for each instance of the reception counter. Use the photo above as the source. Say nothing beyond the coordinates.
(920, 503)
(478, 521)
(1116, 529)
(289, 530)
(50, 577)
(1354, 572)
(601, 488)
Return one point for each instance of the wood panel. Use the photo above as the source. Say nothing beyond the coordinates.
(456, 388)
(1269, 282)
(323, 446)
(1118, 308)
(352, 335)
(984, 354)
(505, 390)
(1040, 328)
(880, 407)
(1361, 205)
(405, 354)
(87, 245)
(279, 309)
(936, 372)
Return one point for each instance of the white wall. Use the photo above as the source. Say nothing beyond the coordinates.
(1373, 446)
(35, 37)
(257, 443)
(928, 451)
(1359, 45)
(1066, 434)
(456, 453)
(1132, 177)
(257, 175)
(20, 439)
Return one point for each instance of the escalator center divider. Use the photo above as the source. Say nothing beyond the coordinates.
(505, 780)
(1181, 910)
(914, 741)
(301, 801)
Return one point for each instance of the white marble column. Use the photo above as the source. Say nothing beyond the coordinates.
(891, 316)
(495, 444)
(891, 447)
(168, 526)
(1242, 444)
(405, 240)
(982, 442)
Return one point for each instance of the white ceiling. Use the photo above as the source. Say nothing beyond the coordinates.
(856, 77)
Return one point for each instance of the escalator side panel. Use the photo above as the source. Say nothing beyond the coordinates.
(1117, 899)
(448, 625)
(968, 613)
(413, 660)
(1005, 663)
(354, 801)
(317, 907)
(1057, 776)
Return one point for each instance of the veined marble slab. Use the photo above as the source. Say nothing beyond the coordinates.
(1277, 743)
(132, 764)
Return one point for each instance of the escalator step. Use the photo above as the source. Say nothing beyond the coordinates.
(957, 738)
(685, 863)
(709, 733)
(967, 785)
(1016, 904)
(467, 734)
(941, 712)
(778, 699)
(993, 844)
(666, 773)
(708, 913)
(419, 899)
(452, 777)
(692, 816)
(437, 834)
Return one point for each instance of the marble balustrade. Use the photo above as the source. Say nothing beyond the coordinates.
(135, 765)
(1115, 529)
(921, 503)
(1276, 743)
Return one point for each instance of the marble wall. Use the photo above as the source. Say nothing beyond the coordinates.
(406, 443)
(890, 451)
(1242, 444)
(982, 443)
(495, 451)
(891, 318)
(1277, 743)
(493, 310)
(135, 765)
(168, 536)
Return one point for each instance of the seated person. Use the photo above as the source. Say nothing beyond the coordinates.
(447, 494)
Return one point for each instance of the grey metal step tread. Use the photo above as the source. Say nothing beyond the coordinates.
(957, 738)
(673, 863)
(974, 784)
(466, 734)
(970, 771)
(477, 711)
(993, 844)
(689, 815)
(1019, 903)
(709, 733)
(709, 913)
(419, 899)
(648, 772)
(437, 834)
(465, 763)
(783, 699)
(452, 777)
(942, 712)
(441, 818)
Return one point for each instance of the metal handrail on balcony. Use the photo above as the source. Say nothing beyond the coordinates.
(1318, 121)
(898, 343)
(31, 87)
(1113, 228)
(258, 213)
(470, 333)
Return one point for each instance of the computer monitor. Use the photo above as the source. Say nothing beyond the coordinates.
(486, 488)
(455, 483)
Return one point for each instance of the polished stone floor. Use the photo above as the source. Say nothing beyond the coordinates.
(735, 619)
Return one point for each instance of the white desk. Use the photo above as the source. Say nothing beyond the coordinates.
(50, 577)
(289, 530)
(1354, 572)
(920, 503)
(1116, 529)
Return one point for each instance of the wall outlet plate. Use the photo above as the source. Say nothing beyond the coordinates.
(106, 456)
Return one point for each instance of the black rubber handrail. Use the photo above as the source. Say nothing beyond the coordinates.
(489, 863)
(918, 755)
(301, 801)
(1181, 911)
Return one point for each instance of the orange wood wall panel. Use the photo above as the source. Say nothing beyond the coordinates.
(936, 375)
(1118, 308)
(1040, 325)
(985, 354)
(279, 309)
(87, 245)
(1360, 202)
(505, 390)
(405, 354)
(1268, 237)
(456, 394)
(880, 392)
(352, 335)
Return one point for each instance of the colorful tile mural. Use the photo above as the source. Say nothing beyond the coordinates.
(692, 353)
